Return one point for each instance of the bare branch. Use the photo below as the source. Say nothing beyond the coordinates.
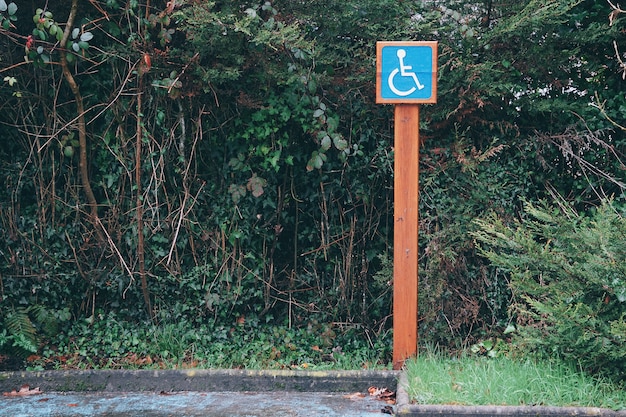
(619, 59)
(615, 12)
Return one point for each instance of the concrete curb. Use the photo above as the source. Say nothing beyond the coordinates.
(405, 408)
(199, 380)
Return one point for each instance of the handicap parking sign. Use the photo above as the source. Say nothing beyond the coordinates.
(406, 72)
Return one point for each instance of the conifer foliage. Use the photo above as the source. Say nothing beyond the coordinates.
(218, 161)
(568, 277)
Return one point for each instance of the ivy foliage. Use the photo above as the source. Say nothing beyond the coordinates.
(239, 167)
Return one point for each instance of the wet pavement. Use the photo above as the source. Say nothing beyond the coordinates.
(234, 393)
(193, 392)
(191, 404)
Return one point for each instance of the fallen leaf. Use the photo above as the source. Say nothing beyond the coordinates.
(190, 365)
(72, 405)
(383, 394)
(23, 391)
(387, 394)
(354, 396)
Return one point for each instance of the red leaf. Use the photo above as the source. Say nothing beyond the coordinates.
(24, 390)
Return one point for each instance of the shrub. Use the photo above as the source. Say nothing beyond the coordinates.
(568, 276)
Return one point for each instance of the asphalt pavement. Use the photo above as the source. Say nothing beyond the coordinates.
(234, 393)
(224, 393)
(191, 404)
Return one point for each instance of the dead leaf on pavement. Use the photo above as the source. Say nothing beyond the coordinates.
(354, 396)
(23, 391)
(383, 394)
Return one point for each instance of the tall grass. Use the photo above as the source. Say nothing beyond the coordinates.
(436, 379)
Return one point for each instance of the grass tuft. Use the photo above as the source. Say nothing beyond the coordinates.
(436, 379)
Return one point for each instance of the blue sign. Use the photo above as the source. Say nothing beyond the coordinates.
(407, 72)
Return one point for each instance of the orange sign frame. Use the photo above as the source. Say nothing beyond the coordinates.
(409, 46)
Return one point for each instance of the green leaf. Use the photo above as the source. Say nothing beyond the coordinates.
(333, 123)
(326, 143)
(340, 143)
(75, 47)
(83, 45)
(3, 6)
(40, 34)
(86, 37)
(316, 161)
(12, 9)
(23, 341)
(75, 33)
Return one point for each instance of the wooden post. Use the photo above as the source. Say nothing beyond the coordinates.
(405, 275)
(406, 75)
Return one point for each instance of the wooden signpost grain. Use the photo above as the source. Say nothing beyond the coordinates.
(406, 76)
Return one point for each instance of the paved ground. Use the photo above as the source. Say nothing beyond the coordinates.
(180, 393)
(191, 404)
(235, 393)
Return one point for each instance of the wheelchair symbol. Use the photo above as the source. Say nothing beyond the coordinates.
(405, 71)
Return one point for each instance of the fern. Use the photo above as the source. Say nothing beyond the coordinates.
(25, 326)
(21, 331)
(45, 319)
